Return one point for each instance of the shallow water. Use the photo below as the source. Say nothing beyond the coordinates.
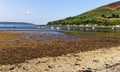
(54, 35)
(25, 27)
(45, 35)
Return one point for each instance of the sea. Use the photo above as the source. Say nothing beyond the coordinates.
(28, 27)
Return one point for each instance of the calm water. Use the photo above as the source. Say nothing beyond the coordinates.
(25, 27)
(70, 28)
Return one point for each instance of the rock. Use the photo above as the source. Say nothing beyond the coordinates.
(75, 55)
(79, 59)
(46, 69)
(51, 66)
(60, 66)
(95, 60)
(18, 65)
(107, 65)
(41, 62)
(78, 71)
(86, 71)
(11, 68)
(89, 68)
(24, 68)
(38, 62)
(77, 64)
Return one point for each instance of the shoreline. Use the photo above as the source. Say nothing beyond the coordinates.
(101, 60)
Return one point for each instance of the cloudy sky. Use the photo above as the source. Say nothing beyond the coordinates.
(43, 11)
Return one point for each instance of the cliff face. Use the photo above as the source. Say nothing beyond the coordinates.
(104, 15)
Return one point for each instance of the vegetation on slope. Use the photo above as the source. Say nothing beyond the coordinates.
(106, 15)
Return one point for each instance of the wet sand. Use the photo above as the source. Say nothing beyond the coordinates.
(28, 47)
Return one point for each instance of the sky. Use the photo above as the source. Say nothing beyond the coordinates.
(43, 11)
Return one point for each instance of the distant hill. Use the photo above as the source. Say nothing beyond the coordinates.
(15, 23)
(20, 25)
(107, 15)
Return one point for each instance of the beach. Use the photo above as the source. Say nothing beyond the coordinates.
(53, 51)
(102, 60)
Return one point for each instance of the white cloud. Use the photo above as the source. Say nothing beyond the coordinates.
(27, 12)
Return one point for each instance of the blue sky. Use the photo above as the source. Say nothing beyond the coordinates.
(43, 11)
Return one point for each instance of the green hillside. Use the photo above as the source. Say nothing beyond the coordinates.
(106, 15)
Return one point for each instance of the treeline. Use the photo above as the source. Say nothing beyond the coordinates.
(93, 21)
(110, 16)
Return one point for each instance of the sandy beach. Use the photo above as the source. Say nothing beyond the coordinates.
(102, 60)
(51, 51)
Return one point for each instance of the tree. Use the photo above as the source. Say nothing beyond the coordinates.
(103, 16)
(115, 15)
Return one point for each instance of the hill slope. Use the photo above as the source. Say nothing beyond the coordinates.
(104, 15)
(16, 23)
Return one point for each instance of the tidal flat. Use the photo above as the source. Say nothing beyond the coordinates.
(18, 47)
